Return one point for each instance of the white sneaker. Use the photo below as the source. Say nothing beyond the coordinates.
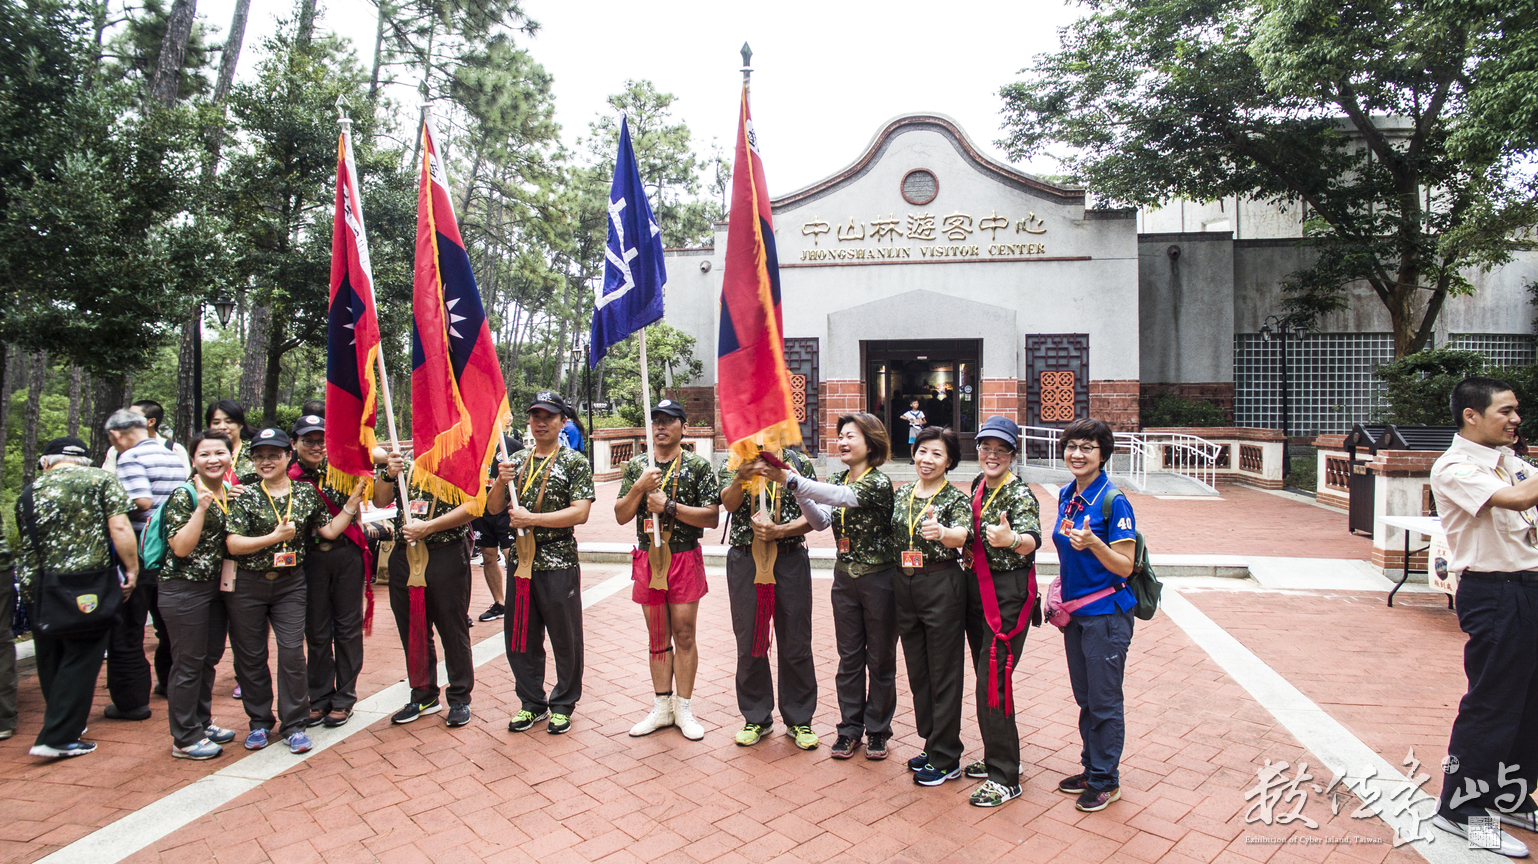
(683, 715)
(1509, 846)
(660, 717)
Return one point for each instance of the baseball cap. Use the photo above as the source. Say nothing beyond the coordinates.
(66, 446)
(309, 423)
(271, 437)
(1002, 428)
(548, 400)
(670, 408)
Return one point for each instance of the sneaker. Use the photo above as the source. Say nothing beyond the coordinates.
(661, 716)
(918, 762)
(845, 746)
(1525, 821)
(475, 561)
(929, 775)
(1095, 800)
(1078, 784)
(459, 715)
(112, 712)
(496, 611)
(413, 710)
(805, 738)
(236, 694)
(1509, 846)
(337, 718)
(74, 748)
(559, 724)
(160, 689)
(992, 794)
(523, 721)
(683, 715)
(875, 746)
(219, 735)
(316, 718)
(749, 735)
(6, 733)
(257, 739)
(977, 770)
(299, 743)
(198, 752)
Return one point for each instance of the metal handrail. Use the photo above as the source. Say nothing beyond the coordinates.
(1145, 452)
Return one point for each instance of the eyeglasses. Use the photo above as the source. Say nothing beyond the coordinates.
(1080, 448)
(994, 451)
(268, 457)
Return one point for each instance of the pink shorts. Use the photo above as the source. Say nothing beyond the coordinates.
(686, 578)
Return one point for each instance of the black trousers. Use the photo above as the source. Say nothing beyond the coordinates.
(931, 620)
(128, 672)
(555, 607)
(256, 604)
(448, 600)
(333, 627)
(865, 627)
(67, 668)
(195, 619)
(1001, 737)
(1497, 723)
(792, 637)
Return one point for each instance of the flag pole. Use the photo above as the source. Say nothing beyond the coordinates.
(646, 404)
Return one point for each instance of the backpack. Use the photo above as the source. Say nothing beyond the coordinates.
(1144, 584)
(153, 545)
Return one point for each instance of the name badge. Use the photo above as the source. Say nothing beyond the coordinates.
(844, 545)
(649, 524)
(284, 559)
(1065, 526)
(913, 559)
(419, 508)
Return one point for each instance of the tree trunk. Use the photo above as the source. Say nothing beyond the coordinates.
(253, 366)
(185, 415)
(173, 51)
(274, 373)
(7, 386)
(36, 378)
(75, 376)
(306, 31)
(230, 56)
(379, 31)
(111, 393)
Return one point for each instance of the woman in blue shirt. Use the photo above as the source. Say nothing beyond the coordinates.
(1095, 555)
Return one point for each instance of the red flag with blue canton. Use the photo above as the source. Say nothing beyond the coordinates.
(458, 398)
(352, 337)
(755, 395)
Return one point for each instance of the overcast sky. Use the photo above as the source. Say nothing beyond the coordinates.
(826, 76)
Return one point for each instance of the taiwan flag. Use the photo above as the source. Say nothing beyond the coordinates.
(755, 395)
(352, 336)
(458, 398)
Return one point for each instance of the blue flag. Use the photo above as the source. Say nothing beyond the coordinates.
(633, 272)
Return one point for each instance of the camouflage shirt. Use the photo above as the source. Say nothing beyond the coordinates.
(869, 526)
(72, 504)
(696, 487)
(330, 493)
(245, 472)
(789, 510)
(207, 558)
(571, 479)
(428, 506)
(952, 510)
(254, 513)
(6, 561)
(1014, 500)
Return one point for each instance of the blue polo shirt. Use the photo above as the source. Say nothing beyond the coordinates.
(1081, 572)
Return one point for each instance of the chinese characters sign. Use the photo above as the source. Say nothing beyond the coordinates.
(926, 234)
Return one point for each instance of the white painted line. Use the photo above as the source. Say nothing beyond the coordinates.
(146, 825)
(1322, 735)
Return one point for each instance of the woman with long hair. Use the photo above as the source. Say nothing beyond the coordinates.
(227, 416)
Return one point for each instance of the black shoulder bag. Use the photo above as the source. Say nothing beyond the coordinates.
(71, 604)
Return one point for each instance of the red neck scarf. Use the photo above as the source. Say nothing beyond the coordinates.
(991, 611)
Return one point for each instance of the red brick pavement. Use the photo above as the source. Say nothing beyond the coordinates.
(421, 792)
(1245, 522)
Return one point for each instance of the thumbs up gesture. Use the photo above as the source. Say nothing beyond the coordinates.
(930, 528)
(1082, 538)
(1000, 535)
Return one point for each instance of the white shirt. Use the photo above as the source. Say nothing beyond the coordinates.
(1481, 536)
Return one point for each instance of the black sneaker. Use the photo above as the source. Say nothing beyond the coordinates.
(496, 611)
(845, 746)
(875, 746)
(413, 710)
(559, 724)
(524, 720)
(459, 715)
(918, 762)
(1078, 784)
(1095, 800)
(932, 776)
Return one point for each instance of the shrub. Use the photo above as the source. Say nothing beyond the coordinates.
(1172, 410)
(1419, 387)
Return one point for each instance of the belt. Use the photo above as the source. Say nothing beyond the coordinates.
(792, 543)
(440, 545)
(1526, 577)
(934, 567)
(856, 570)
(269, 575)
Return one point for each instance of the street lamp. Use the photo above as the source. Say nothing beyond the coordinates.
(1283, 332)
(224, 306)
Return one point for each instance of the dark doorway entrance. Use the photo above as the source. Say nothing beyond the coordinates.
(941, 374)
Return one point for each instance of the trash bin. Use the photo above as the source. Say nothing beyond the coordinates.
(1359, 485)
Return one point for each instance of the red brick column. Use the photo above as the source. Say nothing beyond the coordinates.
(1001, 396)
(837, 396)
(1115, 402)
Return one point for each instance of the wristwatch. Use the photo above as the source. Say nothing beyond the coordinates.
(792, 481)
(670, 509)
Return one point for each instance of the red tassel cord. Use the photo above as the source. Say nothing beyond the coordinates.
(368, 606)
(656, 627)
(416, 641)
(763, 621)
(521, 614)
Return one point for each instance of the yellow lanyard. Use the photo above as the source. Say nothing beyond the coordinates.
(843, 510)
(1009, 477)
(912, 522)
(222, 499)
(529, 480)
(671, 468)
(281, 517)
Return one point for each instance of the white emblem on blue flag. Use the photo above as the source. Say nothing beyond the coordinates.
(630, 296)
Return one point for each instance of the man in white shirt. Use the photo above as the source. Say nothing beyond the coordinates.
(1485, 497)
(154, 419)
